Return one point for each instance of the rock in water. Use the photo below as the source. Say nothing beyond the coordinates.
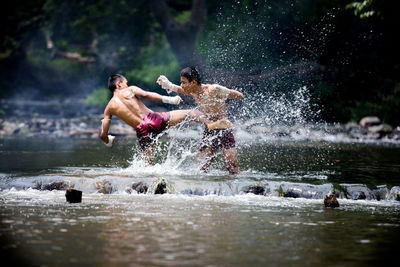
(330, 200)
(255, 189)
(73, 196)
(140, 187)
(381, 130)
(161, 186)
(381, 192)
(358, 192)
(51, 186)
(104, 187)
(394, 193)
(369, 121)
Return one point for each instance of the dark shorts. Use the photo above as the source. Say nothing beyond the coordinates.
(150, 127)
(217, 139)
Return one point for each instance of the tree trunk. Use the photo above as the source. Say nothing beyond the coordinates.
(182, 37)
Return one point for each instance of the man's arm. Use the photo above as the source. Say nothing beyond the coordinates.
(105, 127)
(228, 93)
(176, 100)
(233, 94)
(169, 86)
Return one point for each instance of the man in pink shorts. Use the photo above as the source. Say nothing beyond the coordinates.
(125, 105)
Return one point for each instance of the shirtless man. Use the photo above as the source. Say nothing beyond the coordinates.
(210, 98)
(125, 105)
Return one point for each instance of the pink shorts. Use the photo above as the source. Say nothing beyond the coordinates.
(150, 127)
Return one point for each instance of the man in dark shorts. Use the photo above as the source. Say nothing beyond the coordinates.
(210, 98)
(217, 139)
(125, 105)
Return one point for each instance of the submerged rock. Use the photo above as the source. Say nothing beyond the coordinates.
(369, 121)
(201, 192)
(330, 200)
(381, 192)
(73, 196)
(161, 186)
(104, 187)
(255, 189)
(196, 192)
(358, 192)
(394, 193)
(294, 193)
(351, 125)
(304, 191)
(380, 130)
(140, 187)
(52, 186)
(396, 133)
(354, 130)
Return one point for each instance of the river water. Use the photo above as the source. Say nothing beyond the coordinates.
(206, 219)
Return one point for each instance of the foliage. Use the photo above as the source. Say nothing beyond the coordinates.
(358, 57)
(20, 21)
(362, 9)
(98, 98)
(152, 61)
(182, 17)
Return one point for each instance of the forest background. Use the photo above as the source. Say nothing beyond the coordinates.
(344, 52)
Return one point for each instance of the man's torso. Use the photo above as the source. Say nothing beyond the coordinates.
(211, 104)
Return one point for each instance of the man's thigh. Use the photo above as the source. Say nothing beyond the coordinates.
(177, 116)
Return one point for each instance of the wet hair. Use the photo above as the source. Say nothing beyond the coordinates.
(112, 81)
(191, 74)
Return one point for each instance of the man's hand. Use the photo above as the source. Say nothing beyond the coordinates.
(166, 84)
(111, 139)
(162, 79)
(175, 100)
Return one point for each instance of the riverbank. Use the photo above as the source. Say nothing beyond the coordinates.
(369, 129)
(79, 127)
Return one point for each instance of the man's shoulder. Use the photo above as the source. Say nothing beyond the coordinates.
(210, 87)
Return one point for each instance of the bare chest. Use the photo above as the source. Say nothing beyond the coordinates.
(212, 107)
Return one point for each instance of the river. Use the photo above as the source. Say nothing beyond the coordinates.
(206, 219)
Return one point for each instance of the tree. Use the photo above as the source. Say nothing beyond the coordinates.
(183, 36)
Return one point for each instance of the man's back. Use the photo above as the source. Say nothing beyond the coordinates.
(127, 107)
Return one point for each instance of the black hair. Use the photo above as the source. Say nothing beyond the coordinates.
(112, 81)
(191, 74)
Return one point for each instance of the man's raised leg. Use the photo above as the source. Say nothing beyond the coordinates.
(177, 116)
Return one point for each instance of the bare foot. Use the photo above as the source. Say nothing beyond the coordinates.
(220, 124)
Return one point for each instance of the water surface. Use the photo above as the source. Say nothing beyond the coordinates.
(207, 219)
